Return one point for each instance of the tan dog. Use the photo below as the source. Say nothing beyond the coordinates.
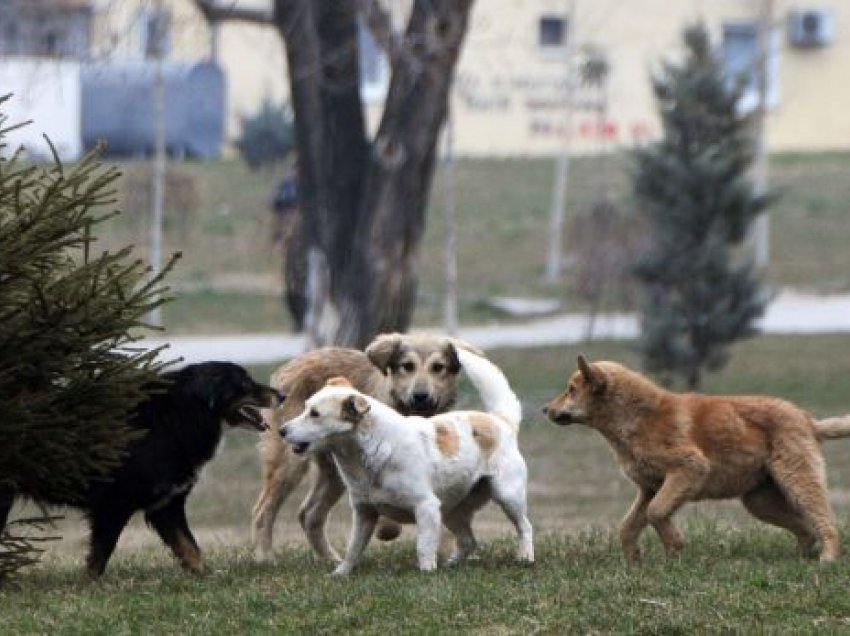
(686, 447)
(415, 374)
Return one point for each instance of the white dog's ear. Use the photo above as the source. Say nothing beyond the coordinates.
(594, 377)
(354, 407)
(383, 350)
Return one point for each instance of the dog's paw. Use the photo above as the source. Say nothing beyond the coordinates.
(342, 570)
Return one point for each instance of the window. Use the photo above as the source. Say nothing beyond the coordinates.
(374, 69)
(552, 32)
(741, 61)
(155, 33)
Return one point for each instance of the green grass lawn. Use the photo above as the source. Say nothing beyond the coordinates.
(503, 211)
(736, 575)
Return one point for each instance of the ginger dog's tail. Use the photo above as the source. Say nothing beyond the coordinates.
(497, 395)
(833, 427)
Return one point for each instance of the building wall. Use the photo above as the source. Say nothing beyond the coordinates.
(510, 95)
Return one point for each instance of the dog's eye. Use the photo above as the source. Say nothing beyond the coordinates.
(437, 367)
(314, 413)
(571, 390)
(408, 367)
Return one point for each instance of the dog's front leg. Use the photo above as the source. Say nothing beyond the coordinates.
(633, 524)
(363, 526)
(428, 528)
(679, 487)
(325, 491)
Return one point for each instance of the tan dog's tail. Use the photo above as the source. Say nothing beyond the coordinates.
(497, 395)
(833, 427)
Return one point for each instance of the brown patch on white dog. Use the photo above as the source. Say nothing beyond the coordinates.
(484, 432)
(446, 438)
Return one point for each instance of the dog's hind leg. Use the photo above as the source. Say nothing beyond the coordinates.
(459, 522)
(326, 490)
(509, 491)
(106, 527)
(282, 472)
(799, 472)
(171, 525)
(768, 504)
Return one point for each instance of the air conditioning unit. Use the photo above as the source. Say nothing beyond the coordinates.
(811, 28)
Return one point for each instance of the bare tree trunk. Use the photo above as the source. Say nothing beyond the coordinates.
(331, 144)
(363, 204)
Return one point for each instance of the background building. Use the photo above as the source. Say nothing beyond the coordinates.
(516, 77)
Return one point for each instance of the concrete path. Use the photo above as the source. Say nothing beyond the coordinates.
(791, 312)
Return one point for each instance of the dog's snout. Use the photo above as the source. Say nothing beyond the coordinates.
(420, 398)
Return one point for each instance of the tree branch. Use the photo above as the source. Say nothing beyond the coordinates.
(218, 11)
(378, 21)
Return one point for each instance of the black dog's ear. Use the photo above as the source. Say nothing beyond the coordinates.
(354, 407)
(384, 350)
(452, 359)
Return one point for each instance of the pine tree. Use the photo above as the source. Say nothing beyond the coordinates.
(701, 291)
(69, 370)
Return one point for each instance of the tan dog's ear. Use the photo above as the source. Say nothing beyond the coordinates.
(339, 381)
(383, 350)
(452, 360)
(354, 407)
(594, 378)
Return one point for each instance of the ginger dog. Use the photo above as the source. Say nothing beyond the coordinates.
(678, 448)
(415, 374)
(433, 471)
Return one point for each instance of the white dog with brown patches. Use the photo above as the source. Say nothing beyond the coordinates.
(431, 471)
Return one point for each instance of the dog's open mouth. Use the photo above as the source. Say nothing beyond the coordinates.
(300, 448)
(565, 418)
(249, 416)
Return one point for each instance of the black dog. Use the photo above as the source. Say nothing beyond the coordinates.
(183, 420)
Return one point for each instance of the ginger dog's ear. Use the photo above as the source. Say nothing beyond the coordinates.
(339, 381)
(384, 350)
(354, 407)
(595, 379)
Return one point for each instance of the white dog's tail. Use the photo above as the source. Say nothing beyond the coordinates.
(833, 427)
(497, 395)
